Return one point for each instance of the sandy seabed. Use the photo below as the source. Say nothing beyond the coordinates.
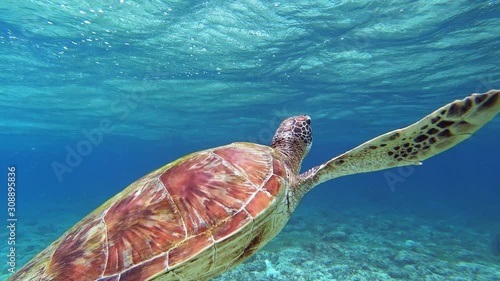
(349, 245)
(359, 246)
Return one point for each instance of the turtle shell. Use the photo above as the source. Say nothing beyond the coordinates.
(189, 220)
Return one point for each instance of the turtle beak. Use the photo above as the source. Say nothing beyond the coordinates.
(304, 118)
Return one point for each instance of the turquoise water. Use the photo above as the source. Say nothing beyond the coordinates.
(160, 79)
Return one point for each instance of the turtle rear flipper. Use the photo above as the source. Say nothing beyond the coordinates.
(435, 133)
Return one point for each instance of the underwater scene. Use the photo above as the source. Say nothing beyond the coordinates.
(94, 95)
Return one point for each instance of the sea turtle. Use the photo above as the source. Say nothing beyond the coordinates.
(205, 213)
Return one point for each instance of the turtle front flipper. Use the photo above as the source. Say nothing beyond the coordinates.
(435, 133)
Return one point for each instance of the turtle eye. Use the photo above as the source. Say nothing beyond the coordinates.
(308, 121)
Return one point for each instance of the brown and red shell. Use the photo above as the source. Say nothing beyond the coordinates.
(192, 218)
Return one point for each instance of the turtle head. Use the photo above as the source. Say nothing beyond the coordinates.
(294, 139)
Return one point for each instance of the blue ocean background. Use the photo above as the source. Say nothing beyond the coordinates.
(135, 85)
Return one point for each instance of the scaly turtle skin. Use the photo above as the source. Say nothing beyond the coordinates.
(207, 212)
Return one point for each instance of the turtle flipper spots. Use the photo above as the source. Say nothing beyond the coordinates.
(454, 122)
(435, 133)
